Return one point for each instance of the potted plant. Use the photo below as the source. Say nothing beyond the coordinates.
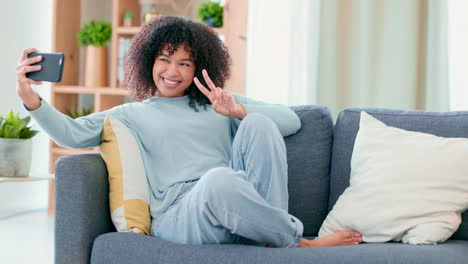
(94, 36)
(75, 112)
(128, 19)
(15, 144)
(211, 13)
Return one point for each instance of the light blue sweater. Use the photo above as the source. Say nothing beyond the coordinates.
(177, 144)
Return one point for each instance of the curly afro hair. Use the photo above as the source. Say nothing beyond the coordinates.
(170, 32)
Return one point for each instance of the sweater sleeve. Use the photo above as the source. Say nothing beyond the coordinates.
(286, 119)
(79, 133)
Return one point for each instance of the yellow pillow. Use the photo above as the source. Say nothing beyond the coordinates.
(128, 185)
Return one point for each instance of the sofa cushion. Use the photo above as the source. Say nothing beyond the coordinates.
(128, 187)
(421, 177)
(447, 124)
(120, 248)
(309, 153)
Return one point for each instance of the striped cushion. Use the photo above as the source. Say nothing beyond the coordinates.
(128, 190)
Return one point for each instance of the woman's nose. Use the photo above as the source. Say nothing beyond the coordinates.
(171, 69)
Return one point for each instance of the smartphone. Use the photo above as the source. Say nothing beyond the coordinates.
(52, 67)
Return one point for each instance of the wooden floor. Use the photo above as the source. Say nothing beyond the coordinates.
(27, 236)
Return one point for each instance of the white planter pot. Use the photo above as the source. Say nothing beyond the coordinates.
(15, 157)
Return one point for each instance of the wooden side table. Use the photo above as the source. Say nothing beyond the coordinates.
(47, 177)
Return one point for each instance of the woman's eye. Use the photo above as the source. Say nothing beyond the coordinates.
(165, 60)
(185, 64)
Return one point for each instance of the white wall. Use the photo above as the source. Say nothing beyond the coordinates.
(25, 24)
(32, 22)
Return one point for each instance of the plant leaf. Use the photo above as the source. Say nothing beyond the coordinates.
(2, 122)
(10, 118)
(10, 131)
(96, 33)
(28, 133)
(26, 120)
(13, 126)
(16, 132)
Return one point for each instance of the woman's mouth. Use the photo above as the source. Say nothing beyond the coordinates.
(170, 83)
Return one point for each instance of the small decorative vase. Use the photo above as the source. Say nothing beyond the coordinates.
(152, 14)
(128, 22)
(15, 157)
(96, 67)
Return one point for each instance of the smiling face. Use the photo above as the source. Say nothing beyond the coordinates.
(173, 74)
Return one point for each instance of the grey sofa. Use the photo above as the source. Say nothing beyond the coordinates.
(319, 168)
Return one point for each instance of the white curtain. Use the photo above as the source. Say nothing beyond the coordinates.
(282, 50)
(349, 53)
(388, 53)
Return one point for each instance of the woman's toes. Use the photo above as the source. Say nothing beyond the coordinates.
(350, 234)
(352, 243)
(354, 239)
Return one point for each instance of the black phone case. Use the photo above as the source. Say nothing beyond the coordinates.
(52, 67)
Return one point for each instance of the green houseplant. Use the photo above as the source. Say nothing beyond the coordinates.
(211, 13)
(75, 112)
(15, 144)
(94, 36)
(96, 33)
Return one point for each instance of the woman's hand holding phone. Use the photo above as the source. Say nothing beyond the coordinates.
(23, 83)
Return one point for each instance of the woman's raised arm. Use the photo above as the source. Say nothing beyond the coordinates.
(83, 132)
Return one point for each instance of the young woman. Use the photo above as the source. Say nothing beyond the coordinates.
(215, 161)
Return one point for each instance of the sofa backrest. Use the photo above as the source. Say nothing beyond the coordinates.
(443, 124)
(309, 155)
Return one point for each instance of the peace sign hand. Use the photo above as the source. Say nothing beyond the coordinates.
(221, 101)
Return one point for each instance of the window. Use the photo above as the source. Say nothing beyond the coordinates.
(458, 54)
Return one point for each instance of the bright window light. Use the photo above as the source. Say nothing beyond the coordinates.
(458, 54)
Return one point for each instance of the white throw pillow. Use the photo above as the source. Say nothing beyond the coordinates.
(404, 186)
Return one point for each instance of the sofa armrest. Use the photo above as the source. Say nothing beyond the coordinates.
(82, 206)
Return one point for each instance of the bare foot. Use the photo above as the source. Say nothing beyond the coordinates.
(339, 238)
